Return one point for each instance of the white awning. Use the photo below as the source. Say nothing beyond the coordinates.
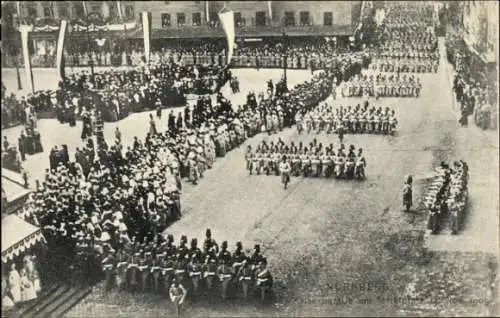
(18, 236)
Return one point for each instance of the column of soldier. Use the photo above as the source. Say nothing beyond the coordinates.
(137, 194)
(353, 120)
(313, 160)
(213, 271)
(409, 42)
(382, 85)
(408, 45)
(447, 196)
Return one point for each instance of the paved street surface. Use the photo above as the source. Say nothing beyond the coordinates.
(337, 247)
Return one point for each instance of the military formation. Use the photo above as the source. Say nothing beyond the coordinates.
(447, 196)
(211, 271)
(353, 120)
(405, 65)
(382, 85)
(313, 160)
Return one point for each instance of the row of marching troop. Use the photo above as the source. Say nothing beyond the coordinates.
(352, 120)
(313, 160)
(405, 65)
(382, 85)
(162, 266)
(448, 196)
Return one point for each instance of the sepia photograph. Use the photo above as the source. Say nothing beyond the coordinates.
(250, 159)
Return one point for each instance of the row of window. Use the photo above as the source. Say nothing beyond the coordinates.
(76, 10)
(260, 19)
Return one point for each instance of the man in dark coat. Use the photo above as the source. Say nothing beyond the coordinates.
(171, 121)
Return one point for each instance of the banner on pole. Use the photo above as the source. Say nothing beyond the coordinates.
(119, 9)
(146, 27)
(60, 63)
(207, 11)
(227, 22)
(24, 29)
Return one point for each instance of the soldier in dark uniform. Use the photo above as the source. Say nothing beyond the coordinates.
(238, 257)
(224, 254)
(209, 242)
(194, 250)
(179, 122)
(108, 267)
(156, 273)
(256, 257)
(158, 108)
(22, 146)
(187, 114)
(264, 279)
(171, 121)
(182, 250)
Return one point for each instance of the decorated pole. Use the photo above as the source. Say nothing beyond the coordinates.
(285, 61)
(89, 42)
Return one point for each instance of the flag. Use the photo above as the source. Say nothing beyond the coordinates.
(227, 22)
(24, 29)
(18, 9)
(207, 11)
(270, 9)
(85, 12)
(146, 27)
(60, 63)
(119, 9)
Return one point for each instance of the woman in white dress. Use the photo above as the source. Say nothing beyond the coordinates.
(32, 272)
(27, 290)
(15, 284)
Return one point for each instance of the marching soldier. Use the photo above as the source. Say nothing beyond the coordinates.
(209, 242)
(224, 254)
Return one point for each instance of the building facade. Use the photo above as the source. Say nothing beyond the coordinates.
(199, 18)
(73, 10)
(480, 28)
